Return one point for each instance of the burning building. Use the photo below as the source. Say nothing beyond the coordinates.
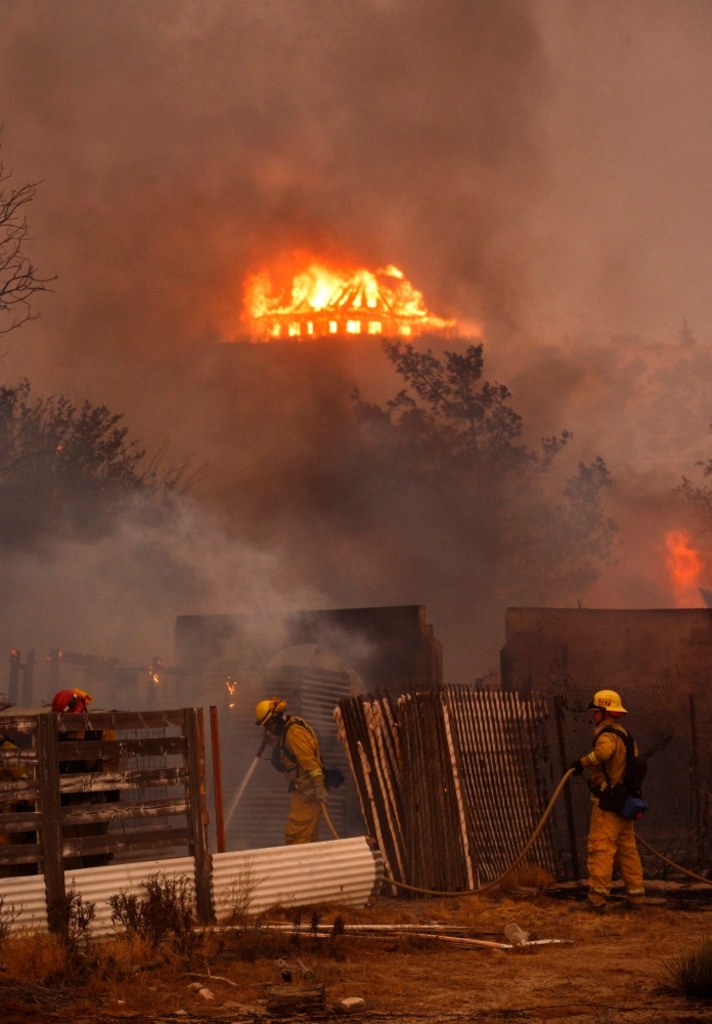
(324, 301)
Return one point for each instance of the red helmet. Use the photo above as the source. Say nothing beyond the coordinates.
(70, 701)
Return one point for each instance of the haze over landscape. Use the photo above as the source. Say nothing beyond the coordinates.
(538, 169)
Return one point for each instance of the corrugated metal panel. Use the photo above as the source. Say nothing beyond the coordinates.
(25, 896)
(345, 872)
(96, 885)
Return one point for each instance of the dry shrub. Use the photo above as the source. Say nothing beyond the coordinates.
(233, 907)
(691, 971)
(123, 956)
(166, 911)
(8, 916)
(35, 958)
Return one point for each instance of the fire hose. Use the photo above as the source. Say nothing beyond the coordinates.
(517, 860)
(522, 854)
(248, 775)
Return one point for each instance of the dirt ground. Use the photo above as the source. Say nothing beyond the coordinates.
(608, 968)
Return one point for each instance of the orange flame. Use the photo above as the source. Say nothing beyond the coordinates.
(322, 301)
(684, 564)
(231, 686)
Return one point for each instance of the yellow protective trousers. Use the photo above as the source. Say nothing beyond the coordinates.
(303, 819)
(611, 844)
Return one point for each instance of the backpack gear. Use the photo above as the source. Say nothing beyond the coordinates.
(625, 798)
(333, 777)
(608, 701)
(286, 754)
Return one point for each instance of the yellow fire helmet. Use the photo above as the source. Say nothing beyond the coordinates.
(608, 701)
(267, 709)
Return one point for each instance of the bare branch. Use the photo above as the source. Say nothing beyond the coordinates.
(19, 278)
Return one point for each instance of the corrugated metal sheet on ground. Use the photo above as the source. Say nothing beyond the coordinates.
(344, 872)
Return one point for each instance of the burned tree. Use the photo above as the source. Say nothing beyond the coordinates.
(19, 278)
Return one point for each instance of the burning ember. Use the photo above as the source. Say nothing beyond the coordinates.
(685, 566)
(322, 301)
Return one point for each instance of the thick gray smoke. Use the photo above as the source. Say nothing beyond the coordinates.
(537, 167)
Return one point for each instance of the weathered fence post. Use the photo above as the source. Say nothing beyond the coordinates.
(51, 821)
(195, 756)
(568, 801)
(217, 778)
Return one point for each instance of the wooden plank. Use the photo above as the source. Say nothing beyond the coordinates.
(197, 816)
(23, 724)
(96, 750)
(127, 720)
(138, 778)
(51, 827)
(19, 789)
(76, 814)
(10, 758)
(120, 842)
(20, 853)
(217, 778)
(19, 821)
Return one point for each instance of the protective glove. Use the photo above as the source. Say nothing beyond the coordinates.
(320, 792)
(576, 766)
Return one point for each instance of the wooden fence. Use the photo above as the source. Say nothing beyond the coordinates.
(124, 785)
(449, 783)
(452, 783)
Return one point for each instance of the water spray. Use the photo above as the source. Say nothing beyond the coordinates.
(248, 775)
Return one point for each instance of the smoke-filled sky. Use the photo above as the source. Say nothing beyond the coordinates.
(539, 168)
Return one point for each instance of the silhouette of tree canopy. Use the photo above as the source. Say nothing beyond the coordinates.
(67, 469)
(458, 444)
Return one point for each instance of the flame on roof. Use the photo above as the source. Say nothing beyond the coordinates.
(322, 301)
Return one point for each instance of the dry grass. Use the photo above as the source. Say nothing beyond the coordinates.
(405, 976)
(35, 958)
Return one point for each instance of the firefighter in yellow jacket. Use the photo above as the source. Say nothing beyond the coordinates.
(296, 753)
(611, 839)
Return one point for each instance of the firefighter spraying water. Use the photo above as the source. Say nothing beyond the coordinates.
(296, 754)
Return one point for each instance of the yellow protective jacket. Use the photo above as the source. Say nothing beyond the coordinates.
(607, 758)
(299, 754)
